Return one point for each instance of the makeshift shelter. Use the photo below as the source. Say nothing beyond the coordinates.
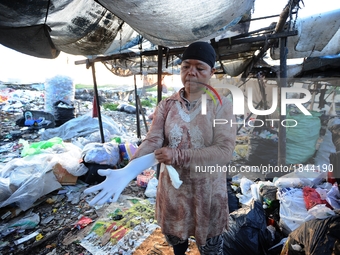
(148, 37)
(134, 37)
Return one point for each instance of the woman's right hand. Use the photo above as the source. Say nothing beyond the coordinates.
(116, 180)
(110, 188)
(164, 155)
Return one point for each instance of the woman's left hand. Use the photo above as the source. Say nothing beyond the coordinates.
(164, 155)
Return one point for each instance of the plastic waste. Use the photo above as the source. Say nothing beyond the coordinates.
(101, 153)
(312, 198)
(151, 189)
(247, 233)
(31, 177)
(57, 88)
(316, 237)
(246, 197)
(300, 178)
(319, 211)
(83, 222)
(34, 122)
(38, 147)
(63, 112)
(301, 145)
(293, 211)
(333, 197)
(30, 221)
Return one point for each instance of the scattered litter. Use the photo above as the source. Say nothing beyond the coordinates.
(26, 238)
(83, 222)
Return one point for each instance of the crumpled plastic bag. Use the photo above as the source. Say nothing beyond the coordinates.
(293, 211)
(31, 177)
(246, 189)
(301, 178)
(333, 197)
(151, 189)
(101, 153)
(320, 211)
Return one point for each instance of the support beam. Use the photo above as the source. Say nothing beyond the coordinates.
(283, 83)
(180, 50)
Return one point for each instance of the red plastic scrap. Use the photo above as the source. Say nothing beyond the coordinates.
(83, 222)
(312, 198)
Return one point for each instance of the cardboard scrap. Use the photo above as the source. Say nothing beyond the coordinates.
(63, 176)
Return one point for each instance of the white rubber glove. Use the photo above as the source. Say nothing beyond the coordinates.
(117, 180)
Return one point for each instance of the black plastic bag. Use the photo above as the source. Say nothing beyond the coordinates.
(248, 233)
(92, 177)
(121, 107)
(233, 202)
(63, 114)
(130, 109)
(335, 130)
(315, 237)
(262, 151)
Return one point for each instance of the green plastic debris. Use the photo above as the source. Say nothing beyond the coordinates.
(117, 139)
(38, 147)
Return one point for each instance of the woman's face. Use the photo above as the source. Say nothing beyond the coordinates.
(194, 73)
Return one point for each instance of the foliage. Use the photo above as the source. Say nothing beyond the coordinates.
(110, 106)
(90, 86)
(146, 102)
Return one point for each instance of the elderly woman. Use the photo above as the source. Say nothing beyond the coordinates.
(189, 141)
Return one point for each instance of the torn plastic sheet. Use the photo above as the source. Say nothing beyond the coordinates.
(31, 188)
(24, 180)
(162, 23)
(29, 221)
(323, 28)
(82, 126)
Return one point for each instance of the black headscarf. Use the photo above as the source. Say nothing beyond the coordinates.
(201, 51)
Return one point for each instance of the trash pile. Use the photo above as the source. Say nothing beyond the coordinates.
(46, 167)
(297, 204)
(42, 167)
(284, 205)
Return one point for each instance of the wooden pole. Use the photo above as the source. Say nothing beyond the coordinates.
(137, 108)
(159, 89)
(159, 73)
(282, 84)
(95, 88)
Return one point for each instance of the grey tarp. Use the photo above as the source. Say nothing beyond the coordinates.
(85, 27)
